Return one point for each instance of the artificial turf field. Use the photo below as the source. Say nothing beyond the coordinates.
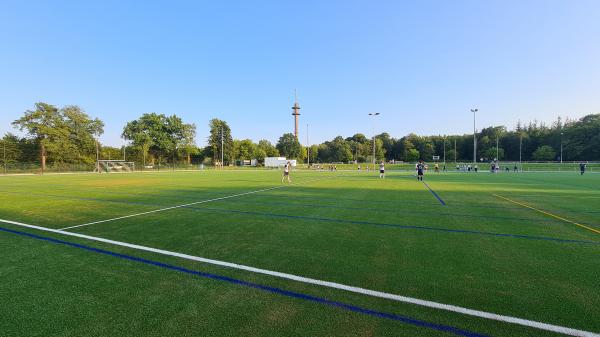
(478, 251)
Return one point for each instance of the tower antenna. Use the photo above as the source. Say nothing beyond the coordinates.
(295, 108)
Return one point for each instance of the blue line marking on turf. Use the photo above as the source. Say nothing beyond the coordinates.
(279, 291)
(356, 222)
(434, 194)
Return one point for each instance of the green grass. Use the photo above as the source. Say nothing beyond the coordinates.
(389, 235)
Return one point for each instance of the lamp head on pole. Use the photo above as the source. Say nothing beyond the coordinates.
(474, 110)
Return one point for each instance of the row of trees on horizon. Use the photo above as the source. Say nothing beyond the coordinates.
(69, 136)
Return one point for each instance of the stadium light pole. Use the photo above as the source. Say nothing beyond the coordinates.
(374, 114)
(222, 155)
(497, 157)
(97, 157)
(474, 136)
(454, 150)
(307, 148)
(561, 147)
(521, 151)
(444, 150)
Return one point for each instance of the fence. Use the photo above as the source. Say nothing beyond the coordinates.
(35, 168)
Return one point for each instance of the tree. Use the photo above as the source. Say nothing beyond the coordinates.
(490, 153)
(64, 135)
(159, 135)
(245, 149)
(11, 149)
(314, 153)
(337, 150)
(83, 132)
(220, 141)
(289, 146)
(267, 148)
(412, 155)
(188, 144)
(544, 153)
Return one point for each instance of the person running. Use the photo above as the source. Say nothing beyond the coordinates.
(286, 172)
(582, 168)
(420, 170)
(381, 170)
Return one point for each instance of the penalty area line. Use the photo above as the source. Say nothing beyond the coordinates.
(182, 206)
(328, 284)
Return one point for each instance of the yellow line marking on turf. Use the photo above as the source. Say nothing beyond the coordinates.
(549, 214)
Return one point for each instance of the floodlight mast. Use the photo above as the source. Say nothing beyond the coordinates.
(374, 114)
(474, 137)
(222, 142)
(521, 150)
(307, 148)
(444, 150)
(497, 157)
(454, 150)
(561, 147)
(97, 157)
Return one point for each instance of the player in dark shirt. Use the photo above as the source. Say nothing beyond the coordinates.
(582, 168)
(420, 170)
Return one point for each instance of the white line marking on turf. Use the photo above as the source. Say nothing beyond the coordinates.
(358, 290)
(172, 207)
(184, 205)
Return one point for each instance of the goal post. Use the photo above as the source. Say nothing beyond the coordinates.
(111, 166)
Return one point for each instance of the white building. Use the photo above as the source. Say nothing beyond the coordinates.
(278, 161)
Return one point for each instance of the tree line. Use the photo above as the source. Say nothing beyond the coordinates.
(67, 135)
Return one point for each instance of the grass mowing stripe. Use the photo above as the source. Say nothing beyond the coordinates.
(386, 210)
(549, 214)
(184, 205)
(358, 290)
(279, 291)
(172, 207)
(434, 194)
(448, 230)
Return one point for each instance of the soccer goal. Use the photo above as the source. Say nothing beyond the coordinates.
(110, 166)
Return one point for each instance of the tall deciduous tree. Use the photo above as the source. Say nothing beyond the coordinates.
(66, 134)
(289, 146)
(159, 135)
(220, 141)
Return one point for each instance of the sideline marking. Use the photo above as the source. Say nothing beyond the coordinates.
(434, 194)
(275, 290)
(184, 205)
(549, 214)
(328, 284)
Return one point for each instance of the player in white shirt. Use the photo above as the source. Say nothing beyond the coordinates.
(381, 171)
(286, 172)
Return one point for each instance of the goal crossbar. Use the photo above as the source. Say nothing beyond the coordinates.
(109, 166)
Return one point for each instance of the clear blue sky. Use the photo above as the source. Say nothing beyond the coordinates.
(421, 64)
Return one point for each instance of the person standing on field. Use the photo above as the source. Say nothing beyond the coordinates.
(582, 168)
(286, 172)
(420, 170)
(381, 170)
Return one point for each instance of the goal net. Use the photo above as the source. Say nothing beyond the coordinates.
(109, 166)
